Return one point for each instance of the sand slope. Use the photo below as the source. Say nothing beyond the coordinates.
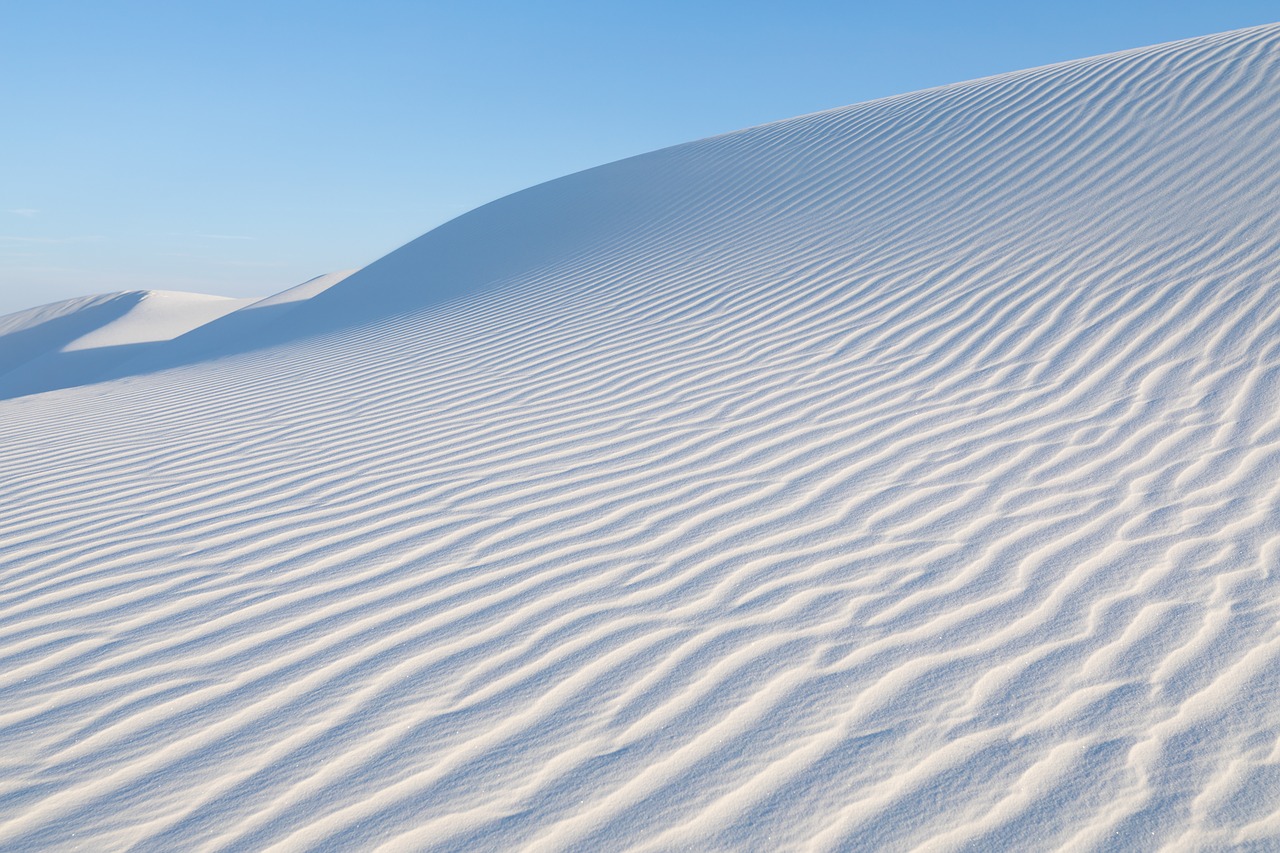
(84, 340)
(904, 476)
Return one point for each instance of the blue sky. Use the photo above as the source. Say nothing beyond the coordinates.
(241, 148)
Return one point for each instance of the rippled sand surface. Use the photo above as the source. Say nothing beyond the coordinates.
(904, 476)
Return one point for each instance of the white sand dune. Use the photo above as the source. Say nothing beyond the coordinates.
(94, 338)
(83, 340)
(900, 476)
(239, 326)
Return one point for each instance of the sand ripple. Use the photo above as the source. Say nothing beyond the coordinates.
(902, 476)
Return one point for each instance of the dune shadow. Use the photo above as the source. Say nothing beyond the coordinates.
(25, 345)
(58, 370)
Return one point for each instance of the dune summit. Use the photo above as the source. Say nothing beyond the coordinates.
(900, 476)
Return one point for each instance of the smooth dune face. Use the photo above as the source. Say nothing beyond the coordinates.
(84, 340)
(901, 476)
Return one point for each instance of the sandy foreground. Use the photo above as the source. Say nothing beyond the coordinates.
(903, 476)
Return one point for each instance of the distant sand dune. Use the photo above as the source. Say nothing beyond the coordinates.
(85, 340)
(904, 476)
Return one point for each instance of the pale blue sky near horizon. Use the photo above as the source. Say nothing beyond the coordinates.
(240, 148)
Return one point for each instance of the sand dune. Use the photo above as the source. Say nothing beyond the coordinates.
(903, 476)
(84, 340)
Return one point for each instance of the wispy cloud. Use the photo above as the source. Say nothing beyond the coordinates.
(224, 237)
(25, 212)
(264, 265)
(13, 238)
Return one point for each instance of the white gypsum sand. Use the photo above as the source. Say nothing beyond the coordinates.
(900, 476)
(78, 341)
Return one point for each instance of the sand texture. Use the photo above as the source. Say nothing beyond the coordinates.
(904, 476)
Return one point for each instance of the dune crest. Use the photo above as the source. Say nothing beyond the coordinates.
(902, 476)
(85, 340)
